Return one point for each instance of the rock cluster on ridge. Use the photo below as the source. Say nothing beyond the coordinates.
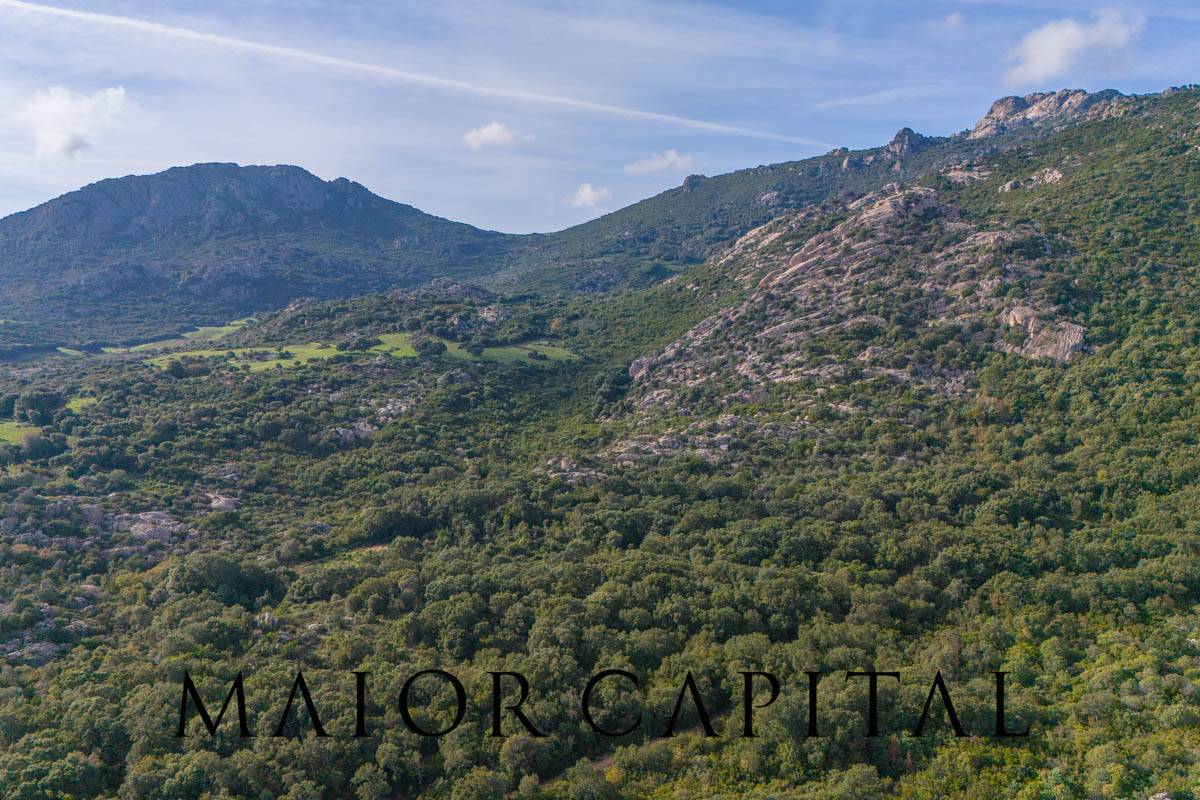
(1048, 109)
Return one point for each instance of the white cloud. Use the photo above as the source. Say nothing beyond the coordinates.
(951, 22)
(495, 134)
(668, 160)
(65, 123)
(588, 196)
(1057, 47)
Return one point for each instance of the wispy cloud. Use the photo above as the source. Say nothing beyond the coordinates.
(1057, 47)
(381, 71)
(667, 160)
(876, 98)
(588, 196)
(495, 134)
(951, 22)
(64, 123)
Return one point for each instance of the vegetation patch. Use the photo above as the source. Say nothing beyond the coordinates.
(256, 359)
(205, 333)
(208, 333)
(398, 345)
(15, 432)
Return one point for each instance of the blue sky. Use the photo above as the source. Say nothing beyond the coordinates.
(526, 116)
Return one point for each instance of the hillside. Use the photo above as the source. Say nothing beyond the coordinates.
(141, 257)
(946, 424)
(679, 228)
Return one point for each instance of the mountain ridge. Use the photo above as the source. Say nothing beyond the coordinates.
(209, 242)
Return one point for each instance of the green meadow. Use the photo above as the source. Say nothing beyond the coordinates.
(15, 432)
(397, 345)
(207, 333)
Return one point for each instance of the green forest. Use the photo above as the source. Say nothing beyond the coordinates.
(949, 424)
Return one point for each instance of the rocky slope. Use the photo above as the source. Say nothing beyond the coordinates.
(853, 300)
(679, 228)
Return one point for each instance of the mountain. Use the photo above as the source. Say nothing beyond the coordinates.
(126, 257)
(877, 276)
(139, 257)
(674, 230)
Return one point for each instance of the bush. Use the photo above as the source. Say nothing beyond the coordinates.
(428, 346)
(226, 577)
(37, 407)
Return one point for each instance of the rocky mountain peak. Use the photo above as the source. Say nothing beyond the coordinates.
(1047, 109)
(907, 141)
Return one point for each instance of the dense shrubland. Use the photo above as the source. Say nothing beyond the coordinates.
(385, 514)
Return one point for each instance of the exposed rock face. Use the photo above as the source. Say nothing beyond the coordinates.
(808, 293)
(221, 502)
(353, 434)
(495, 314)
(567, 469)
(966, 172)
(1047, 175)
(156, 526)
(1048, 109)
(1054, 339)
(891, 156)
(1042, 177)
(906, 142)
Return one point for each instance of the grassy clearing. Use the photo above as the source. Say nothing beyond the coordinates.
(256, 359)
(521, 352)
(15, 432)
(80, 403)
(293, 356)
(207, 333)
(397, 345)
(212, 332)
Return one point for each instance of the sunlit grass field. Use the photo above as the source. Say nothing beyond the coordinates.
(397, 345)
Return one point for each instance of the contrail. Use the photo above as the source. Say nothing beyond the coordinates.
(389, 73)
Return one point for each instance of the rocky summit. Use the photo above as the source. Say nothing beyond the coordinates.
(1049, 110)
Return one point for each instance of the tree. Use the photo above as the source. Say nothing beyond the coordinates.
(37, 407)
